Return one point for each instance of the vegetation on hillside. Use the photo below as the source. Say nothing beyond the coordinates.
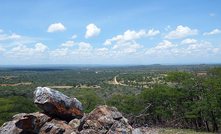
(168, 96)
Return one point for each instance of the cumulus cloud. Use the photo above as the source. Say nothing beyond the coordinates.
(168, 28)
(92, 31)
(202, 49)
(109, 41)
(22, 51)
(163, 48)
(126, 43)
(14, 36)
(131, 35)
(39, 47)
(127, 47)
(68, 44)
(102, 49)
(1, 31)
(181, 32)
(215, 31)
(59, 53)
(165, 44)
(56, 27)
(188, 41)
(8, 37)
(74, 37)
(84, 46)
(152, 32)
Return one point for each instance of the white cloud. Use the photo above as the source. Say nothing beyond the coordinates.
(215, 31)
(39, 47)
(198, 52)
(92, 31)
(84, 46)
(188, 41)
(131, 35)
(68, 44)
(200, 46)
(165, 44)
(56, 27)
(3, 37)
(127, 46)
(109, 41)
(202, 49)
(152, 32)
(102, 49)
(7, 37)
(1, 31)
(14, 36)
(168, 28)
(22, 51)
(74, 37)
(59, 53)
(2, 49)
(162, 49)
(181, 32)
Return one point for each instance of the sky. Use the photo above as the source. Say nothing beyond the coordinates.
(137, 32)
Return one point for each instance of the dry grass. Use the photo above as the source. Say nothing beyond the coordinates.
(16, 84)
(57, 87)
(178, 131)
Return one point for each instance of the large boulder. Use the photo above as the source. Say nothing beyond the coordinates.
(57, 104)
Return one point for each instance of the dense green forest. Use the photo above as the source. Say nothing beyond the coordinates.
(168, 96)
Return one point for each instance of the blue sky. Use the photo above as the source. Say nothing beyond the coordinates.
(110, 32)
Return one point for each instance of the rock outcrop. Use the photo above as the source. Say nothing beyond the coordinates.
(64, 115)
(57, 104)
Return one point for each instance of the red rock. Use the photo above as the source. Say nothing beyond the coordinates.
(32, 122)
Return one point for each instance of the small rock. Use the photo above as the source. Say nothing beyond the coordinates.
(56, 126)
(120, 127)
(75, 123)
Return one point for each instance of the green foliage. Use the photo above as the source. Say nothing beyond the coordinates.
(89, 98)
(178, 77)
(187, 100)
(15, 104)
(126, 104)
(194, 102)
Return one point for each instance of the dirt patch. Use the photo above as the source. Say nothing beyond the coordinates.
(16, 84)
(67, 87)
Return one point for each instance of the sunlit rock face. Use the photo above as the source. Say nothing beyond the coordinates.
(57, 104)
